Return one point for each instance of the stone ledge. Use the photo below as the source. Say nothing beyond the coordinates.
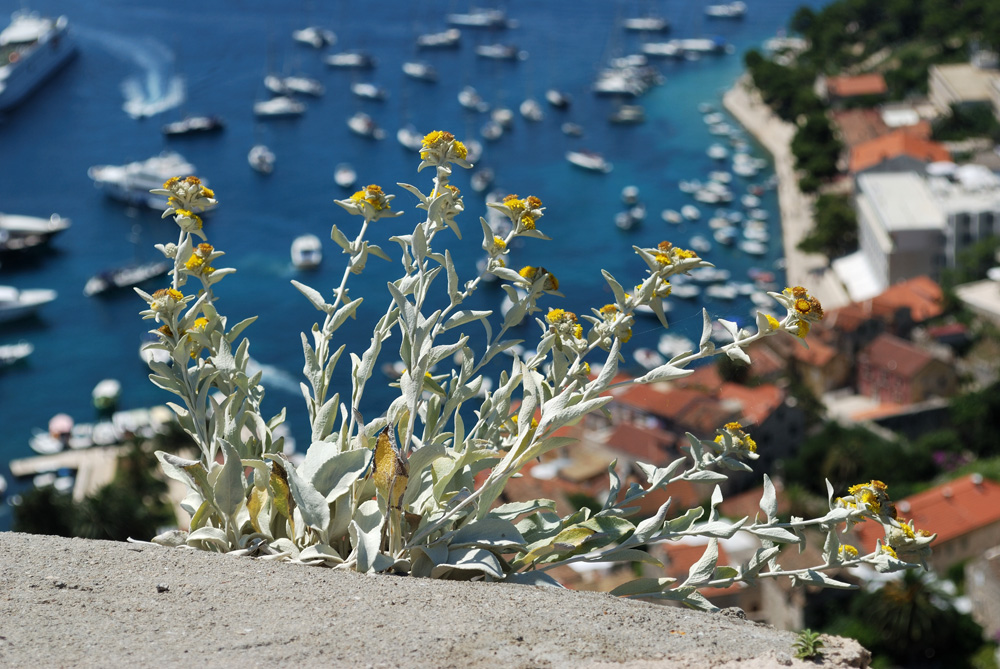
(80, 603)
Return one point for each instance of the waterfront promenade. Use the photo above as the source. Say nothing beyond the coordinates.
(810, 270)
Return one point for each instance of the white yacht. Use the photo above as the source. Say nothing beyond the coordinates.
(293, 84)
(480, 18)
(281, 105)
(531, 110)
(369, 91)
(729, 10)
(17, 225)
(307, 251)
(315, 36)
(355, 59)
(344, 175)
(418, 69)
(11, 354)
(589, 160)
(16, 304)
(409, 138)
(261, 159)
(32, 48)
(132, 182)
(363, 124)
(445, 39)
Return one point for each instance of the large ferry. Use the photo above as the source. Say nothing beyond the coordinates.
(32, 48)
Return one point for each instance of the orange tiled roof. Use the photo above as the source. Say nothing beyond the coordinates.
(897, 143)
(758, 402)
(950, 510)
(921, 295)
(705, 378)
(897, 355)
(859, 125)
(862, 84)
(640, 442)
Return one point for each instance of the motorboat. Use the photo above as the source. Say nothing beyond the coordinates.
(531, 110)
(753, 247)
(572, 129)
(32, 49)
(726, 236)
(630, 194)
(703, 45)
(491, 130)
(279, 106)
(648, 358)
(673, 345)
(469, 98)
(557, 98)
(503, 116)
(628, 114)
(479, 18)
(307, 251)
(126, 276)
(647, 24)
(709, 274)
(293, 84)
(589, 160)
(363, 124)
(18, 226)
(150, 351)
(132, 182)
(105, 395)
(261, 158)
(344, 175)
(690, 212)
(721, 291)
(717, 152)
(20, 244)
(193, 125)
(420, 70)
(409, 138)
(482, 179)
(11, 354)
(729, 10)
(662, 49)
(500, 52)
(16, 304)
(671, 216)
(700, 244)
(368, 91)
(315, 37)
(350, 59)
(446, 39)
(474, 150)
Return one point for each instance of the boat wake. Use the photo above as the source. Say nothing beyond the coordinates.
(273, 377)
(155, 87)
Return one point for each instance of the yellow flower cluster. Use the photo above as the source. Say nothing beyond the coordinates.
(739, 436)
(440, 139)
(372, 195)
(805, 308)
(668, 254)
(198, 262)
(533, 273)
(564, 323)
(166, 300)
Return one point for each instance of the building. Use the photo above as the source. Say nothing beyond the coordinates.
(894, 370)
(964, 513)
(900, 227)
(897, 151)
(960, 84)
(969, 198)
(842, 88)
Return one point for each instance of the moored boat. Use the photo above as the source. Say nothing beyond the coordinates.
(363, 124)
(315, 36)
(280, 106)
(344, 175)
(126, 276)
(261, 159)
(368, 91)
(350, 59)
(479, 18)
(32, 49)
(192, 125)
(729, 10)
(18, 225)
(11, 354)
(446, 39)
(16, 304)
(420, 70)
(589, 160)
(307, 251)
(132, 182)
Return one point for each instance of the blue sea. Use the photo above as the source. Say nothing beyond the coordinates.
(184, 57)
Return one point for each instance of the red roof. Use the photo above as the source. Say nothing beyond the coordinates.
(897, 143)
(862, 84)
(645, 443)
(921, 295)
(950, 510)
(896, 355)
(758, 402)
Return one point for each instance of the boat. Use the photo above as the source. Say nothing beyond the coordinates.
(482, 179)
(368, 91)
(671, 216)
(350, 59)
(420, 70)
(589, 160)
(531, 110)
(15, 226)
(717, 152)
(557, 98)
(492, 130)
(293, 84)
(630, 194)
(726, 236)
(474, 150)
(700, 244)
(193, 125)
(690, 212)
(279, 106)
(673, 345)
(16, 304)
(261, 158)
(500, 52)
(344, 175)
(125, 276)
(662, 49)
(572, 129)
(11, 354)
(362, 124)
(105, 395)
(721, 291)
(480, 18)
(307, 251)
(132, 182)
(469, 98)
(648, 24)
(703, 45)
(315, 37)
(409, 138)
(626, 114)
(648, 358)
(753, 247)
(446, 39)
(729, 10)
(32, 49)
(150, 350)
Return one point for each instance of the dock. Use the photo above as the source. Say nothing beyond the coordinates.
(94, 467)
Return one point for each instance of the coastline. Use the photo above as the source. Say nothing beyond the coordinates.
(810, 270)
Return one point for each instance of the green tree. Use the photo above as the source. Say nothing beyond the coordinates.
(835, 227)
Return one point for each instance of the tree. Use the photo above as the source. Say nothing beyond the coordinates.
(835, 228)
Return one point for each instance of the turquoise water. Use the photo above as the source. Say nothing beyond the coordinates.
(192, 57)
